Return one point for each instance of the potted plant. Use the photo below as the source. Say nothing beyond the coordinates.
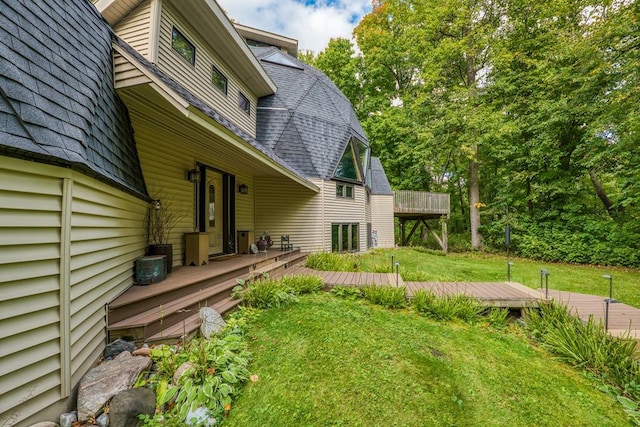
(264, 242)
(161, 219)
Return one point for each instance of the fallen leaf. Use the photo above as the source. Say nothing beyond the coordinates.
(254, 378)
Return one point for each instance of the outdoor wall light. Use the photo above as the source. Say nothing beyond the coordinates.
(243, 189)
(193, 175)
(156, 204)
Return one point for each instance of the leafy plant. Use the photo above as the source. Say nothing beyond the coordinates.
(347, 292)
(386, 296)
(447, 307)
(302, 284)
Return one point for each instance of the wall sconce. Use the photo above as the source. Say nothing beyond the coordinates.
(243, 189)
(193, 175)
(156, 204)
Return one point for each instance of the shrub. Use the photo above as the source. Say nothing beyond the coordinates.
(302, 284)
(386, 296)
(331, 261)
(267, 293)
(446, 307)
(347, 292)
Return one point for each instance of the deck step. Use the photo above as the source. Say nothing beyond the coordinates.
(189, 325)
(152, 315)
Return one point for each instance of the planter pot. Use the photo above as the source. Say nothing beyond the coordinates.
(167, 250)
(263, 245)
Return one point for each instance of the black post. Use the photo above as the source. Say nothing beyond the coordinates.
(545, 273)
(392, 263)
(397, 273)
(606, 313)
(509, 264)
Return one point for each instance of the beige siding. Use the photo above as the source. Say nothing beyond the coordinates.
(382, 219)
(125, 74)
(67, 245)
(344, 210)
(283, 207)
(135, 29)
(167, 155)
(198, 78)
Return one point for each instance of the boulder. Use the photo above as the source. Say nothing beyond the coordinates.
(126, 406)
(117, 347)
(45, 424)
(104, 381)
(212, 322)
(67, 420)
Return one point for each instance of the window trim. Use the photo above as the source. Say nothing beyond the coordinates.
(351, 229)
(242, 96)
(175, 30)
(343, 194)
(215, 70)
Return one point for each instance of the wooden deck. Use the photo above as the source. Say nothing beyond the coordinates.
(503, 294)
(623, 318)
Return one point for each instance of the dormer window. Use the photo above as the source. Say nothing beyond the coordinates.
(244, 103)
(219, 80)
(354, 162)
(183, 46)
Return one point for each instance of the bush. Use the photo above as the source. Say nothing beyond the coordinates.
(267, 293)
(446, 307)
(347, 292)
(302, 284)
(386, 296)
(585, 344)
(331, 261)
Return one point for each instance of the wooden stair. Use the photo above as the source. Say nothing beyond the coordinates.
(169, 311)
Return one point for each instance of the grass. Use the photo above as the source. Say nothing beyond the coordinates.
(329, 361)
(473, 266)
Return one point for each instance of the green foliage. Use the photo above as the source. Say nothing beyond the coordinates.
(269, 293)
(347, 292)
(331, 261)
(586, 345)
(215, 368)
(497, 316)
(447, 307)
(386, 296)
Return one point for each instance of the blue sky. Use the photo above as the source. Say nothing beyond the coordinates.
(312, 22)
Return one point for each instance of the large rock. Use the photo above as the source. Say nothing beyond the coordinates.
(118, 346)
(212, 322)
(104, 381)
(127, 405)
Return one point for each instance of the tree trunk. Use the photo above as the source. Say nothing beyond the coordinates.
(602, 195)
(474, 201)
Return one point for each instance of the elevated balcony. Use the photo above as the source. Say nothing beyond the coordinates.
(420, 204)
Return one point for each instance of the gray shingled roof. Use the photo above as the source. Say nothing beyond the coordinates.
(57, 100)
(379, 182)
(192, 99)
(308, 121)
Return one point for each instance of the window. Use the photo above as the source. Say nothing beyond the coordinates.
(345, 237)
(183, 46)
(344, 190)
(347, 167)
(219, 80)
(244, 103)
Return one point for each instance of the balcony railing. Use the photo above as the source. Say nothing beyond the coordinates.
(420, 202)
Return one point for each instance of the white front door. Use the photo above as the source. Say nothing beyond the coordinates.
(213, 216)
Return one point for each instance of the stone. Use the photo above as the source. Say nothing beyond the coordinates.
(104, 381)
(103, 420)
(45, 424)
(212, 322)
(67, 420)
(145, 351)
(117, 347)
(126, 406)
(181, 370)
(200, 417)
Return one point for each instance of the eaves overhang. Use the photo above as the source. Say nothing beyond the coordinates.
(211, 23)
(203, 115)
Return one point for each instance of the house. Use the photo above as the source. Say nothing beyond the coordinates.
(108, 108)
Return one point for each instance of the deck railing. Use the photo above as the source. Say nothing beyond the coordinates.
(420, 202)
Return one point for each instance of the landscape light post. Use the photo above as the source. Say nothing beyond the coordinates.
(545, 273)
(397, 273)
(509, 264)
(392, 263)
(608, 301)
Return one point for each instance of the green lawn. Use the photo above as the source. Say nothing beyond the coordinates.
(326, 361)
(484, 267)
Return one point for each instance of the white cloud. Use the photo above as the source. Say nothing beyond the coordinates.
(312, 22)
